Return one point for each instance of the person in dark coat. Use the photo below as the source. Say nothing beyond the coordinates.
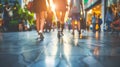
(39, 8)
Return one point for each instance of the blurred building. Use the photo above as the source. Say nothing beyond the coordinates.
(99, 7)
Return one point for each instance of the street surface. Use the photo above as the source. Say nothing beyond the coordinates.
(21, 49)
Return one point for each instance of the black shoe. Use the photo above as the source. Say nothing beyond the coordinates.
(58, 34)
(41, 36)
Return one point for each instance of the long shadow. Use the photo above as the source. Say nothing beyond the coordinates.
(60, 53)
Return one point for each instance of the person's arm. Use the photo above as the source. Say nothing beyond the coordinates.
(71, 3)
(48, 2)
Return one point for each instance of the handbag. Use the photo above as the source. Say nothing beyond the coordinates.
(97, 27)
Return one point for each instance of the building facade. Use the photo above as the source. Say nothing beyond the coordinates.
(94, 6)
(100, 8)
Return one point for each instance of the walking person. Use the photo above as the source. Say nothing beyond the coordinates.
(75, 10)
(6, 16)
(40, 9)
(99, 22)
(109, 18)
(61, 8)
(1, 17)
(116, 26)
(94, 21)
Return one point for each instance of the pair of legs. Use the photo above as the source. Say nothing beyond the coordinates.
(74, 25)
(76, 22)
(108, 25)
(61, 19)
(40, 20)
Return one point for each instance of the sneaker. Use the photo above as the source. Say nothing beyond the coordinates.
(41, 36)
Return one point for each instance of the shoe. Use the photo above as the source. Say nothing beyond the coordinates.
(73, 33)
(58, 34)
(41, 37)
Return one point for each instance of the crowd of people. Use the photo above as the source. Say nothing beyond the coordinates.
(96, 22)
(113, 19)
(44, 14)
(11, 13)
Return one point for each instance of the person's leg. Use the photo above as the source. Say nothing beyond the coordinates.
(6, 25)
(99, 28)
(79, 28)
(58, 14)
(109, 28)
(50, 26)
(73, 26)
(78, 23)
(42, 21)
(63, 21)
(94, 24)
(37, 23)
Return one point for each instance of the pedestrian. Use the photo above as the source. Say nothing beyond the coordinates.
(1, 17)
(99, 22)
(39, 8)
(109, 18)
(94, 21)
(116, 26)
(6, 16)
(61, 8)
(75, 10)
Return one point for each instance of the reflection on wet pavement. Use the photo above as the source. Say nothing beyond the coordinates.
(21, 49)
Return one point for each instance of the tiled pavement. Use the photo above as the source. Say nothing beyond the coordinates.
(21, 49)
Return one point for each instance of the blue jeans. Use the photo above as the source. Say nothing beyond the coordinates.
(108, 25)
(93, 29)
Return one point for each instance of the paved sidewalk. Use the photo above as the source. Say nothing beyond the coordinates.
(21, 49)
